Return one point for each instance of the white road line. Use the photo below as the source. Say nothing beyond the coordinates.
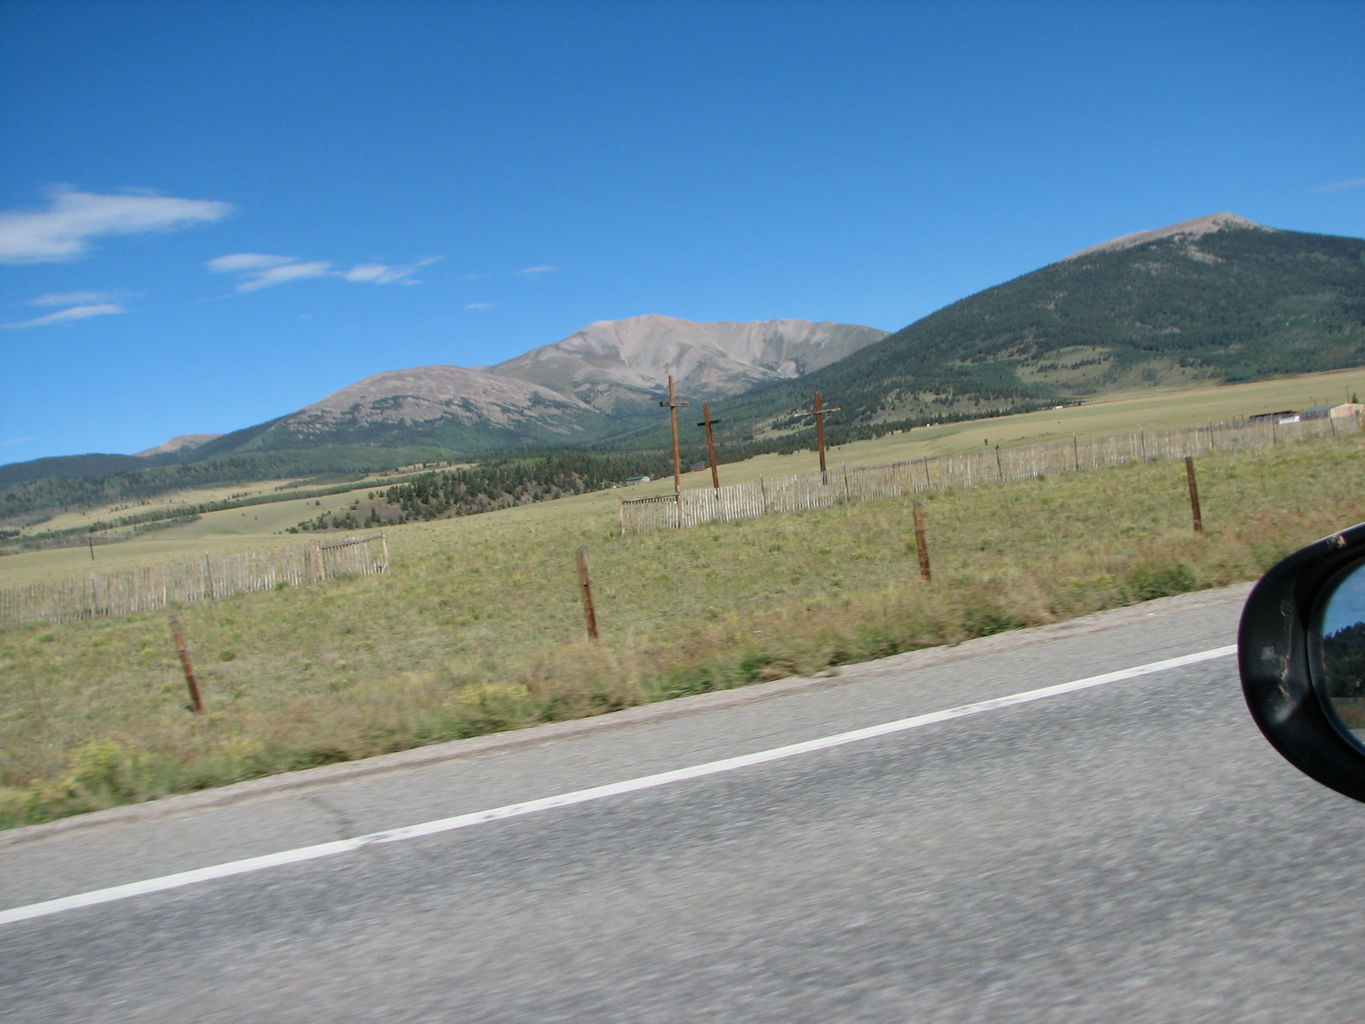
(582, 796)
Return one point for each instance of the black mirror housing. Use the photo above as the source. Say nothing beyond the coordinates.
(1280, 680)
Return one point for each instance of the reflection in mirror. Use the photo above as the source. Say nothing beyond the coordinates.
(1341, 635)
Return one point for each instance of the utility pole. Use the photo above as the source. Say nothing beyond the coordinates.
(708, 423)
(673, 405)
(820, 412)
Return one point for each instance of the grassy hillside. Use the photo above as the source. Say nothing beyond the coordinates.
(1234, 305)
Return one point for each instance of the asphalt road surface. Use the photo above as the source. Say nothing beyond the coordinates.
(1124, 848)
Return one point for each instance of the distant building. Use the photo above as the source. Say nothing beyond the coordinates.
(637, 480)
(1317, 412)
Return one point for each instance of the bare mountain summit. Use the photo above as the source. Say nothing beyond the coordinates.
(436, 392)
(600, 380)
(615, 361)
(1190, 228)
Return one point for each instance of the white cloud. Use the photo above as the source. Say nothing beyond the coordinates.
(479, 305)
(283, 275)
(15, 440)
(382, 273)
(535, 271)
(66, 316)
(1339, 186)
(73, 219)
(73, 298)
(257, 270)
(241, 261)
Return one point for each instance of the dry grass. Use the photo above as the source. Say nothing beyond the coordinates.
(479, 627)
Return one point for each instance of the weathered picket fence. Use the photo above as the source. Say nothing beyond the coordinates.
(158, 587)
(966, 469)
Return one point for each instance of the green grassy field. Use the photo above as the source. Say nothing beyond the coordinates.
(478, 626)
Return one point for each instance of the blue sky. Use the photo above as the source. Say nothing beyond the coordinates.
(215, 213)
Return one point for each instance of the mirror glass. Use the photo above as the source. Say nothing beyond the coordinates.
(1340, 637)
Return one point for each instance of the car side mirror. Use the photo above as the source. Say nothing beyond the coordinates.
(1301, 653)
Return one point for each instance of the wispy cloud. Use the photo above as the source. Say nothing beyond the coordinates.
(1341, 186)
(242, 262)
(256, 270)
(73, 219)
(382, 273)
(283, 274)
(16, 440)
(66, 316)
(479, 305)
(75, 298)
(535, 271)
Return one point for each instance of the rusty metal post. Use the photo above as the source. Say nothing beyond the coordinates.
(589, 615)
(921, 544)
(196, 699)
(708, 423)
(1194, 494)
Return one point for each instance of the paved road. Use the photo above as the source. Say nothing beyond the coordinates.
(1131, 850)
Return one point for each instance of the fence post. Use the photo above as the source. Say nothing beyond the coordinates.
(921, 544)
(196, 700)
(1194, 494)
(589, 614)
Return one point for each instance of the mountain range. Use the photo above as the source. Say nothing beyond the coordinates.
(1218, 298)
(600, 381)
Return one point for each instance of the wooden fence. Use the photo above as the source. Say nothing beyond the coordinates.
(966, 469)
(165, 586)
